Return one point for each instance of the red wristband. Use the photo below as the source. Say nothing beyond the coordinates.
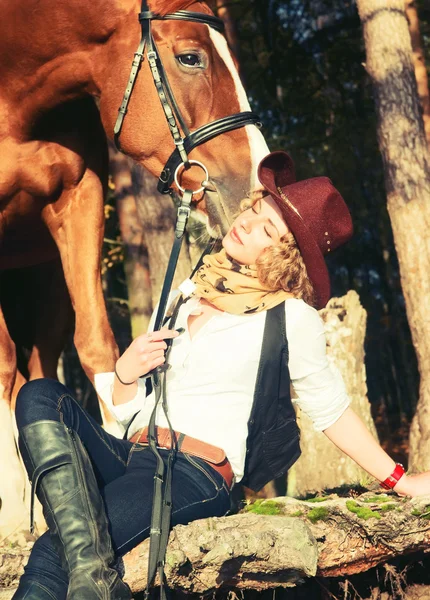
(392, 479)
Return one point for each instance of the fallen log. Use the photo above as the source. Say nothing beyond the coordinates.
(278, 543)
(246, 551)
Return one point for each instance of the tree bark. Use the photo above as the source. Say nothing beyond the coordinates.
(157, 215)
(419, 63)
(136, 255)
(345, 327)
(407, 180)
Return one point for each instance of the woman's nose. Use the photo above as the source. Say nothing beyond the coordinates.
(247, 223)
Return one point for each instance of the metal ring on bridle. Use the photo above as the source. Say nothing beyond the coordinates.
(191, 162)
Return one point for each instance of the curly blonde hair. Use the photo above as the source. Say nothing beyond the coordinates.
(281, 266)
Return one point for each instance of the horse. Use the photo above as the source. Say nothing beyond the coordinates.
(64, 67)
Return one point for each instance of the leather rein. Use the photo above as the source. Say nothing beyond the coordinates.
(184, 142)
(187, 140)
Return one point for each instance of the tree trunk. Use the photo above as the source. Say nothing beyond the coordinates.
(419, 63)
(157, 215)
(136, 255)
(345, 326)
(407, 179)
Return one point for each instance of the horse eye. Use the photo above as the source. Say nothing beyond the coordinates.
(189, 60)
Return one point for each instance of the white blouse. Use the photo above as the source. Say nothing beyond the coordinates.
(211, 382)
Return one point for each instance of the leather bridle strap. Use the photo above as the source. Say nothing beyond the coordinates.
(184, 143)
(188, 15)
(165, 95)
(182, 215)
(162, 499)
(122, 111)
(145, 18)
(200, 136)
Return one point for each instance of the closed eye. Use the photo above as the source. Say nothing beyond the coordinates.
(256, 207)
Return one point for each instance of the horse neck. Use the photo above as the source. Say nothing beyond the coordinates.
(62, 55)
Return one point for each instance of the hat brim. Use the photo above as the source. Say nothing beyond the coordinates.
(312, 256)
(275, 171)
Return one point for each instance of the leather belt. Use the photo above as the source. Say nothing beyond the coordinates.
(214, 456)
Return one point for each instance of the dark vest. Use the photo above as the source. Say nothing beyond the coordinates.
(273, 434)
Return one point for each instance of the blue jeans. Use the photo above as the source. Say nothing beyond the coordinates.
(124, 472)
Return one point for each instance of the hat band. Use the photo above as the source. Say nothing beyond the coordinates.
(288, 202)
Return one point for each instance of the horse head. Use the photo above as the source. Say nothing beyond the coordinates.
(205, 83)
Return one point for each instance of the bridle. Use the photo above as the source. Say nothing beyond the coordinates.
(188, 140)
(184, 142)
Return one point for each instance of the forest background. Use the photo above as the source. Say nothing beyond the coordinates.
(303, 66)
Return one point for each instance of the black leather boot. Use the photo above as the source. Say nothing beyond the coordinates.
(33, 591)
(63, 478)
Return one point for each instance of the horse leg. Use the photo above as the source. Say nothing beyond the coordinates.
(13, 513)
(48, 306)
(53, 318)
(78, 232)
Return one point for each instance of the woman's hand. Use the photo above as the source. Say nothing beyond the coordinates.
(145, 353)
(414, 485)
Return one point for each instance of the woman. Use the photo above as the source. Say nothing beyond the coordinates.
(97, 490)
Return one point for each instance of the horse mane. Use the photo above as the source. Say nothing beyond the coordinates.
(162, 7)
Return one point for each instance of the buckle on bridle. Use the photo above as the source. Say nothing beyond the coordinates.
(138, 56)
(151, 54)
(183, 211)
(182, 165)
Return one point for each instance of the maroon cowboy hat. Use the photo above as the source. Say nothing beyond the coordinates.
(314, 211)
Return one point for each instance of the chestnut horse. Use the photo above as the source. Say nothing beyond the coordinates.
(55, 59)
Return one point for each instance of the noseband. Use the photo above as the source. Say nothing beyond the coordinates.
(189, 140)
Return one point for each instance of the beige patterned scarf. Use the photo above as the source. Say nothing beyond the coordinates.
(233, 287)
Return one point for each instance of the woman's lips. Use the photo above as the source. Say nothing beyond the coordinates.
(235, 236)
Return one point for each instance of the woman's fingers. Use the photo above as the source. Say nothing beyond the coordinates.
(146, 348)
(155, 354)
(148, 357)
(157, 362)
(147, 340)
(162, 334)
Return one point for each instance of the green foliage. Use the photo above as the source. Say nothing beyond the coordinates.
(319, 513)
(380, 499)
(362, 512)
(422, 514)
(297, 513)
(264, 507)
(318, 499)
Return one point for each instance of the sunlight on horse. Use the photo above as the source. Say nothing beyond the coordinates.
(53, 170)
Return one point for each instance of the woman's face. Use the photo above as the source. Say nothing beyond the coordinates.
(254, 230)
